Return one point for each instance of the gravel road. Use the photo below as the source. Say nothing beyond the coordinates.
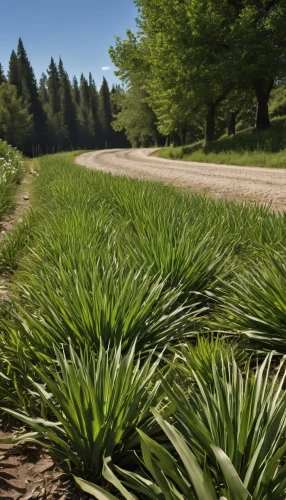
(252, 184)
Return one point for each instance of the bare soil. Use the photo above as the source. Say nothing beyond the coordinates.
(28, 472)
(250, 184)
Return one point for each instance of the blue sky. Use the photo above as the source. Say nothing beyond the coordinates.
(79, 31)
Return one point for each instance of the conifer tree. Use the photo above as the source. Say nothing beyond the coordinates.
(27, 88)
(43, 92)
(76, 94)
(13, 78)
(53, 85)
(105, 117)
(55, 127)
(94, 125)
(2, 75)
(84, 114)
(15, 120)
(61, 68)
(67, 110)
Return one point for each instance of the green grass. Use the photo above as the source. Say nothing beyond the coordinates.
(223, 439)
(115, 259)
(130, 294)
(249, 148)
(11, 173)
(93, 406)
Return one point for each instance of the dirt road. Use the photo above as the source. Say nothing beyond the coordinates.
(252, 184)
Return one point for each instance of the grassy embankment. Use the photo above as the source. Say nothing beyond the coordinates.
(126, 281)
(249, 148)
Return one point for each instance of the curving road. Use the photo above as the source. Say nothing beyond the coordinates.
(252, 184)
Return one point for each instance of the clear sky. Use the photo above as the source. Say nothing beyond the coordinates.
(80, 31)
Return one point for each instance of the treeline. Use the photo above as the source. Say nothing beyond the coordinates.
(57, 114)
(195, 69)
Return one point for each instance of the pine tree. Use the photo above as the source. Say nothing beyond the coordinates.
(76, 94)
(13, 77)
(2, 75)
(56, 133)
(94, 125)
(84, 114)
(61, 69)
(105, 116)
(43, 92)
(15, 120)
(27, 88)
(53, 85)
(67, 110)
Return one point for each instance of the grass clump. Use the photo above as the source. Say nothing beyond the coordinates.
(94, 403)
(255, 304)
(223, 439)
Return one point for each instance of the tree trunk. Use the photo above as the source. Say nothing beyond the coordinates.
(262, 92)
(232, 123)
(175, 140)
(183, 136)
(210, 124)
(156, 138)
(262, 115)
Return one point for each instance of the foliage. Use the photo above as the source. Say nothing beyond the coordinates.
(16, 244)
(26, 84)
(193, 58)
(97, 401)
(100, 303)
(11, 172)
(209, 350)
(228, 440)
(15, 121)
(180, 478)
(277, 102)
(135, 116)
(120, 259)
(105, 116)
(255, 304)
(2, 75)
(116, 272)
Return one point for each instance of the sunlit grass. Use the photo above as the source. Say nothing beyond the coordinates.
(130, 294)
(246, 148)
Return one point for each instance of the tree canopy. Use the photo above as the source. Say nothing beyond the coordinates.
(192, 56)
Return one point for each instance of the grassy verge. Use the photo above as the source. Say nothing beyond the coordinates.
(11, 173)
(249, 148)
(132, 296)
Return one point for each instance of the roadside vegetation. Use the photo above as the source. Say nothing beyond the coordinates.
(266, 149)
(11, 173)
(144, 345)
